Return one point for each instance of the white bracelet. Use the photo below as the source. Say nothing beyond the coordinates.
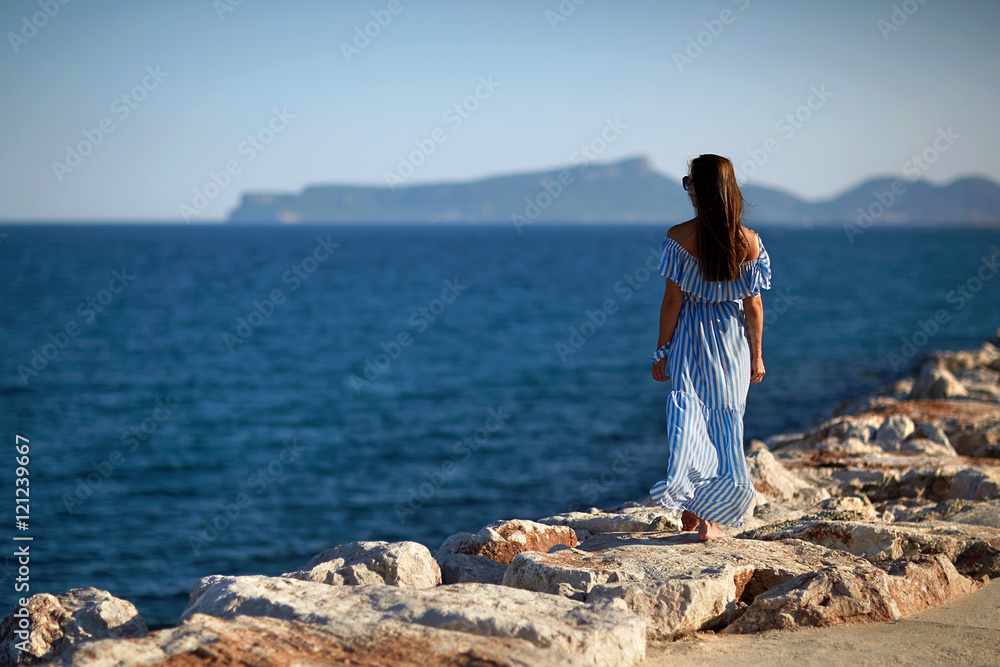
(661, 352)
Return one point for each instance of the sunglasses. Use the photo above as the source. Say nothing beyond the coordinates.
(686, 182)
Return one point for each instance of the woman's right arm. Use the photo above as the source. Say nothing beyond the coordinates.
(754, 310)
(670, 310)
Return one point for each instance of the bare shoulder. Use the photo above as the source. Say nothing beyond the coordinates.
(753, 243)
(681, 232)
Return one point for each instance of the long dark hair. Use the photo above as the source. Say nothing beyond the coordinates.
(719, 202)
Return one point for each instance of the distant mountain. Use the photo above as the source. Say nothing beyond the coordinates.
(625, 191)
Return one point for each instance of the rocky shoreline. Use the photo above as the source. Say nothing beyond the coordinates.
(887, 508)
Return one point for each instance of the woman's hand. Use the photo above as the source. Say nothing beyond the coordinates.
(756, 369)
(660, 370)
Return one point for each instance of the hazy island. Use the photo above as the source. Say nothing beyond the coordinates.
(626, 191)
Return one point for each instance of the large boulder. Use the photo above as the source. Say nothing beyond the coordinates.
(893, 431)
(936, 381)
(627, 518)
(404, 564)
(925, 581)
(890, 475)
(464, 569)
(974, 550)
(985, 513)
(826, 596)
(678, 584)
(926, 446)
(502, 540)
(599, 635)
(776, 482)
(57, 623)
(271, 642)
(837, 595)
(975, 484)
(976, 435)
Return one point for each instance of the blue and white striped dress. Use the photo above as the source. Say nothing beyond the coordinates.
(709, 367)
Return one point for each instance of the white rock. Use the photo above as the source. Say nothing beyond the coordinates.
(777, 483)
(599, 636)
(936, 382)
(983, 514)
(405, 564)
(972, 484)
(58, 623)
(678, 584)
(847, 446)
(466, 568)
(502, 540)
(925, 446)
(859, 504)
(932, 433)
(624, 520)
(974, 549)
(893, 431)
(247, 640)
(839, 595)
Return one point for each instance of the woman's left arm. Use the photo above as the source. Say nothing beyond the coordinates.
(670, 309)
(754, 310)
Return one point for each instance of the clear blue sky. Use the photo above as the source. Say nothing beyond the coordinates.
(558, 85)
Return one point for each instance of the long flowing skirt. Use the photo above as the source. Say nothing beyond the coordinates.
(709, 364)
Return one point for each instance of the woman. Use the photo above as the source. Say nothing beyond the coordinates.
(711, 323)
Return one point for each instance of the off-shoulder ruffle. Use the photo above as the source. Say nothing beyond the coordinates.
(684, 269)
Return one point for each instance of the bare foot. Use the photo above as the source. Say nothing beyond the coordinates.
(688, 520)
(709, 531)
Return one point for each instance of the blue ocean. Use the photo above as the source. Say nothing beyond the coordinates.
(234, 399)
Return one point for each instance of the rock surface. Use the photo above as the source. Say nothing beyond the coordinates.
(502, 540)
(678, 584)
(937, 382)
(627, 518)
(404, 564)
(975, 551)
(58, 623)
(835, 595)
(463, 569)
(778, 484)
(272, 642)
(599, 635)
